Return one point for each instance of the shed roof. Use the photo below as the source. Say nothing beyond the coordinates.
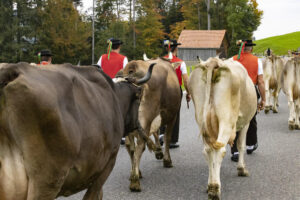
(201, 38)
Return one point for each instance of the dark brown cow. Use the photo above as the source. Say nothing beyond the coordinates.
(60, 129)
(159, 105)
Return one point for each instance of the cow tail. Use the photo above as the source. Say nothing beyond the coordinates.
(207, 95)
(208, 112)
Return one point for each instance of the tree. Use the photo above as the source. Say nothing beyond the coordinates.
(149, 28)
(243, 18)
(7, 35)
(63, 31)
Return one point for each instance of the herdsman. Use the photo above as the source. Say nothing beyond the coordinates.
(254, 68)
(45, 57)
(112, 61)
(181, 71)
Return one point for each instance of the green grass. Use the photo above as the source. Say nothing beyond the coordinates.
(278, 44)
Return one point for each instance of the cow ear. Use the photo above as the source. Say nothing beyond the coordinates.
(176, 64)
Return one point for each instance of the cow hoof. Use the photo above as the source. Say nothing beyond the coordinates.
(168, 164)
(213, 191)
(266, 110)
(291, 126)
(134, 184)
(242, 171)
(297, 127)
(135, 187)
(275, 111)
(159, 155)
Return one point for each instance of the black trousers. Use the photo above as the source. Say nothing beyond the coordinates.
(175, 132)
(251, 138)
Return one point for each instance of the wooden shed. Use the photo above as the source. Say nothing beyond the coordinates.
(202, 43)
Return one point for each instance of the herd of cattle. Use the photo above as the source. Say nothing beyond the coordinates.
(61, 125)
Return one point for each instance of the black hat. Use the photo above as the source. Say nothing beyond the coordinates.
(173, 43)
(115, 41)
(46, 52)
(248, 43)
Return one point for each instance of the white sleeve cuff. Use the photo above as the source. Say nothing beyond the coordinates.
(125, 61)
(183, 68)
(260, 67)
(99, 61)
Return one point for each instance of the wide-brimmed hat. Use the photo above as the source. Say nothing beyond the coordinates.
(248, 43)
(115, 41)
(46, 52)
(172, 43)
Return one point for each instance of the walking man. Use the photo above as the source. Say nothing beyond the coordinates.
(254, 68)
(113, 61)
(181, 71)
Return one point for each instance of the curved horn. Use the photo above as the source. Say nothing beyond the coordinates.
(147, 76)
(199, 59)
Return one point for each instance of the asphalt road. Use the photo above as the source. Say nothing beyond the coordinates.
(274, 167)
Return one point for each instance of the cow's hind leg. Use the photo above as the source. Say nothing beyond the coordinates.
(154, 131)
(167, 140)
(297, 112)
(291, 105)
(158, 152)
(275, 105)
(130, 147)
(267, 92)
(136, 174)
(241, 146)
(214, 158)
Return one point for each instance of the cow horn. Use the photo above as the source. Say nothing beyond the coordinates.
(147, 76)
(199, 59)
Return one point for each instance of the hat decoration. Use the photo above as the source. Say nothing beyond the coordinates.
(39, 57)
(109, 48)
(242, 47)
(168, 43)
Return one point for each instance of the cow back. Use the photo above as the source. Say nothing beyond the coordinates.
(161, 94)
(222, 92)
(65, 120)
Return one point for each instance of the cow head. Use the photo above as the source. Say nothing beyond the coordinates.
(130, 93)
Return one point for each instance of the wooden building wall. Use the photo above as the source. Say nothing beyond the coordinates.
(190, 54)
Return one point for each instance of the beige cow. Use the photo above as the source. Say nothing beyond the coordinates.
(225, 101)
(290, 81)
(272, 67)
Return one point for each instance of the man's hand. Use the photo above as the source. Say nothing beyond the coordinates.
(188, 97)
(261, 105)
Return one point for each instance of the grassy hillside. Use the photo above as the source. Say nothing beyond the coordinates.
(278, 44)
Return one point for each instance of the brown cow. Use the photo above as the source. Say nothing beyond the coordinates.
(159, 106)
(60, 129)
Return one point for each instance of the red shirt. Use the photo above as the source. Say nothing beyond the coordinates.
(113, 65)
(250, 62)
(178, 70)
(44, 63)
